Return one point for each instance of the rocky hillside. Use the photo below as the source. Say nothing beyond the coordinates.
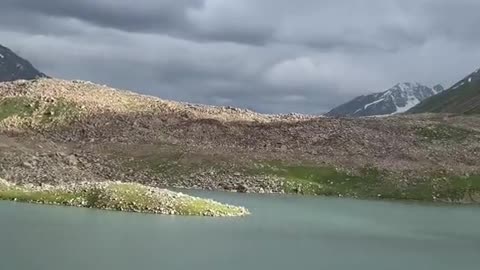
(54, 131)
(13, 67)
(463, 97)
(397, 99)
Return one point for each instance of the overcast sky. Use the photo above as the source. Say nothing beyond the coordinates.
(267, 55)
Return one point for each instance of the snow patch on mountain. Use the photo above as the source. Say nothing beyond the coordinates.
(373, 103)
(411, 102)
(408, 97)
(398, 99)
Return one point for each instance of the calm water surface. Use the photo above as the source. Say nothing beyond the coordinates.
(282, 233)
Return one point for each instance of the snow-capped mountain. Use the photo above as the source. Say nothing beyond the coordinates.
(13, 67)
(398, 99)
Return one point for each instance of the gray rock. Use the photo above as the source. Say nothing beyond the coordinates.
(242, 188)
(28, 165)
(72, 160)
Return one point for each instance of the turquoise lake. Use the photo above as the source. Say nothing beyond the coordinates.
(283, 232)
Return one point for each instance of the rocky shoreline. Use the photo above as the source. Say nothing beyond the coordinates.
(116, 196)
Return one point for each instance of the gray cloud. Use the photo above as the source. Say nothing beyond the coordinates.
(144, 15)
(267, 55)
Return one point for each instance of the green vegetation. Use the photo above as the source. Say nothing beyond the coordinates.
(371, 183)
(457, 187)
(441, 132)
(119, 197)
(439, 188)
(24, 194)
(19, 106)
(21, 111)
(329, 181)
(197, 207)
(465, 99)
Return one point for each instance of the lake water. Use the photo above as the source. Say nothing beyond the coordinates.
(282, 233)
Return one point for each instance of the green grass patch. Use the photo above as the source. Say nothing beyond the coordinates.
(328, 181)
(206, 208)
(464, 99)
(50, 197)
(119, 197)
(370, 182)
(19, 106)
(457, 187)
(447, 188)
(37, 113)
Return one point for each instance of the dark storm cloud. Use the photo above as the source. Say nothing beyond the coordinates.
(148, 16)
(267, 55)
(144, 15)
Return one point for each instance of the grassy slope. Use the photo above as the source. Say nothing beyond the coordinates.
(31, 112)
(372, 183)
(119, 197)
(464, 99)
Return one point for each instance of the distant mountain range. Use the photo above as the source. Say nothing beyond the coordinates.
(398, 99)
(13, 67)
(463, 97)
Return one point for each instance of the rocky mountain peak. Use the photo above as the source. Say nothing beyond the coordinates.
(439, 88)
(13, 67)
(398, 99)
